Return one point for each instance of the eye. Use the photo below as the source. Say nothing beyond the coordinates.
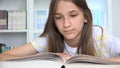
(74, 15)
(58, 17)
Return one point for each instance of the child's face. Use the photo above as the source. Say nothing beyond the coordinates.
(69, 20)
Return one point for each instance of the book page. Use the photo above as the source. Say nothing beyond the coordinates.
(40, 56)
(78, 65)
(30, 64)
(89, 59)
(42, 60)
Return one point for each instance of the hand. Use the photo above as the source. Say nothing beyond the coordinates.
(64, 55)
(117, 59)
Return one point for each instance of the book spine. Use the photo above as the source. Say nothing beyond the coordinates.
(17, 20)
(3, 19)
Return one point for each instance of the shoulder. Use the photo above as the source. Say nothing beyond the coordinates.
(109, 44)
(39, 40)
(98, 32)
(40, 43)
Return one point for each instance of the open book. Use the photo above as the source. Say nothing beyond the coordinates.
(52, 60)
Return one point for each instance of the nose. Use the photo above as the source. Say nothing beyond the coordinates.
(66, 23)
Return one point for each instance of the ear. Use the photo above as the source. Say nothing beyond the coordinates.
(85, 21)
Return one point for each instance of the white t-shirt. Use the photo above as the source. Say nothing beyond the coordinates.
(108, 47)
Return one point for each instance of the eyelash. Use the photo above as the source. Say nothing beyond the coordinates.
(74, 15)
(58, 17)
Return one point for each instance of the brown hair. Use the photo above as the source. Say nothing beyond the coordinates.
(56, 40)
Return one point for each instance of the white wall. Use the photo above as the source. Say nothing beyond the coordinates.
(116, 17)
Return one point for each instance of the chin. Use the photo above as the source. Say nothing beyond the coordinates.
(69, 38)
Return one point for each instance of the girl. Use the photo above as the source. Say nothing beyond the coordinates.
(69, 31)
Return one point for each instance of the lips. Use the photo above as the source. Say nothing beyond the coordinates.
(68, 31)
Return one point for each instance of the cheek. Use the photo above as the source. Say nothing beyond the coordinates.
(58, 23)
(78, 24)
(59, 26)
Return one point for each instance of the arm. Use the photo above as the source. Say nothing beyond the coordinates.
(113, 43)
(20, 51)
(115, 59)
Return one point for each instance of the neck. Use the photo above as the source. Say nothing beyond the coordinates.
(72, 43)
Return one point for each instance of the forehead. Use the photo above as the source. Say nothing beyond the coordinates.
(63, 6)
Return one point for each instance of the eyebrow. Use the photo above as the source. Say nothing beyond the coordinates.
(57, 14)
(73, 11)
(69, 12)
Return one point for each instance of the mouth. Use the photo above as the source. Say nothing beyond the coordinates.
(68, 31)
